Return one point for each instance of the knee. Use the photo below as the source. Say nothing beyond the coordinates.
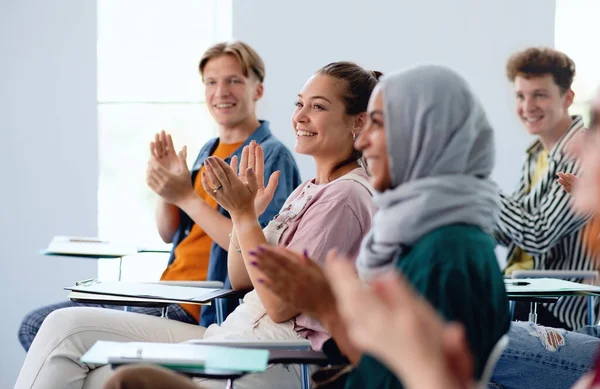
(30, 325)
(64, 321)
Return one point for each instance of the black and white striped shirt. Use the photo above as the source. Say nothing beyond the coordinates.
(540, 222)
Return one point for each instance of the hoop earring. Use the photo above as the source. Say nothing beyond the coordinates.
(353, 136)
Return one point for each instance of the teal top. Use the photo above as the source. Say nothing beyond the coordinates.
(455, 268)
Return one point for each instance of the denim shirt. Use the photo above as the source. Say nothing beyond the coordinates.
(277, 157)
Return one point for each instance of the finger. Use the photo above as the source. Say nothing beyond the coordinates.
(252, 154)
(181, 157)
(457, 352)
(252, 180)
(259, 168)
(341, 275)
(159, 170)
(272, 185)
(153, 150)
(158, 145)
(244, 162)
(395, 291)
(212, 177)
(217, 170)
(229, 176)
(280, 261)
(169, 144)
(233, 164)
(207, 185)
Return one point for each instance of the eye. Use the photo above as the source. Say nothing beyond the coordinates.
(236, 81)
(540, 95)
(520, 97)
(211, 82)
(298, 104)
(318, 107)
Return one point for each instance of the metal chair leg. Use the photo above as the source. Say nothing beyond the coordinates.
(305, 377)
(533, 312)
(591, 313)
(164, 312)
(220, 310)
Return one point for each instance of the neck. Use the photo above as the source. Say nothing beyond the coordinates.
(550, 139)
(324, 168)
(240, 132)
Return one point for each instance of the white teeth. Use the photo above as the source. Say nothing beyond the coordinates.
(223, 105)
(305, 133)
(531, 120)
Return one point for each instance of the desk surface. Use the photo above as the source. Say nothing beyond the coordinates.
(548, 287)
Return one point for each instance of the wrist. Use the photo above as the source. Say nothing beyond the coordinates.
(186, 201)
(242, 219)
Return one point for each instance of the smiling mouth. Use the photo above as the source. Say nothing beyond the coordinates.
(224, 105)
(533, 119)
(301, 133)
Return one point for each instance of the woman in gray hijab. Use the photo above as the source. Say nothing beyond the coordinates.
(430, 151)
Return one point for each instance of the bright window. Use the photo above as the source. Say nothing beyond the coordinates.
(148, 80)
(576, 27)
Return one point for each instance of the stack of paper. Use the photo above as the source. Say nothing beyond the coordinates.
(145, 290)
(94, 248)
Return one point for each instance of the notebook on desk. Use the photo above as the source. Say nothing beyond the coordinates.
(178, 356)
(180, 294)
(73, 246)
(547, 286)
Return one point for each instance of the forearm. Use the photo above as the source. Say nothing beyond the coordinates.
(236, 268)
(250, 236)
(167, 219)
(539, 231)
(209, 219)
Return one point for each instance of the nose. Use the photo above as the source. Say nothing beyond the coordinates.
(529, 105)
(222, 89)
(300, 115)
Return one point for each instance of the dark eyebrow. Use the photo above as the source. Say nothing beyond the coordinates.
(317, 97)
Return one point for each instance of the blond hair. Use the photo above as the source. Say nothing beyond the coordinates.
(249, 59)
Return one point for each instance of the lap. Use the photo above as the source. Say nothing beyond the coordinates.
(544, 357)
(102, 324)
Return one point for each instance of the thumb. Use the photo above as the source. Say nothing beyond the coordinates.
(182, 157)
(273, 182)
(252, 181)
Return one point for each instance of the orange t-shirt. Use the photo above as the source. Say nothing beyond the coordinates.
(193, 253)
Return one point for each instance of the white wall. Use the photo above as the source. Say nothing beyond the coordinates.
(475, 37)
(49, 155)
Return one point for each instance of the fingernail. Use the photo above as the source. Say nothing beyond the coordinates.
(253, 263)
(261, 280)
(261, 249)
(305, 253)
(252, 252)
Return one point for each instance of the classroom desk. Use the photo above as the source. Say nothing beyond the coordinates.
(547, 290)
(276, 356)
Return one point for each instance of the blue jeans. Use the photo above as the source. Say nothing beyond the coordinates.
(543, 357)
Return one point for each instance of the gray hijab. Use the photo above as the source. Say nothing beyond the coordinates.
(441, 150)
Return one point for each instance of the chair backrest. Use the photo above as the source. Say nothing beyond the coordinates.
(490, 365)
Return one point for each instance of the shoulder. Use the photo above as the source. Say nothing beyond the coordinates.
(462, 238)
(348, 190)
